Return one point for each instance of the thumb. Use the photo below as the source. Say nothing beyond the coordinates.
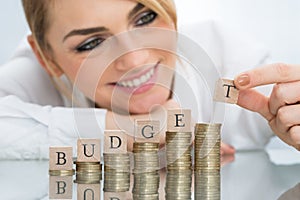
(256, 102)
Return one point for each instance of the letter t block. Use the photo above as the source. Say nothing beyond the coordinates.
(226, 91)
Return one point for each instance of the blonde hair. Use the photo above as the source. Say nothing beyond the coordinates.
(37, 16)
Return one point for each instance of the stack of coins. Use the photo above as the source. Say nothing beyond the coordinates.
(146, 174)
(179, 165)
(178, 185)
(88, 172)
(178, 150)
(207, 161)
(116, 172)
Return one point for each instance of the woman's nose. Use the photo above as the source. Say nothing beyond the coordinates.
(134, 54)
(132, 59)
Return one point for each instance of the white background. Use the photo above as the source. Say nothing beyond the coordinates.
(276, 23)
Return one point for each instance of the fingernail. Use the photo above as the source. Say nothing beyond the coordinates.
(243, 80)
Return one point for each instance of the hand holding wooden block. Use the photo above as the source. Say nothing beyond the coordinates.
(179, 120)
(147, 131)
(226, 91)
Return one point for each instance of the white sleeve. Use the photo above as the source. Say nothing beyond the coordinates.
(27, 130)
(32, 116)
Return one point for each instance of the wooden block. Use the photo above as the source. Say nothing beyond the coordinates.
(88, 191)
(179, 120)
(115, 141)
(147, 131)
(60, 187)
(60, 158)
(88, 150)
(226, 91)
(116, 195)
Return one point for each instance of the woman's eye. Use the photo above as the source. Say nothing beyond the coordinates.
(146, 18)
(89, 45)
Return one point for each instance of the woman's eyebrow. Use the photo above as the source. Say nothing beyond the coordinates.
(136, 9)
(86, 31)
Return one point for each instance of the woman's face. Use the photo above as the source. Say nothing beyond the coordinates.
(77, 27)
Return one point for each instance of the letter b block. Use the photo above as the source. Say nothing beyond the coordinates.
(60, 187)
(88, 150)
(60, 158)
(179, 120)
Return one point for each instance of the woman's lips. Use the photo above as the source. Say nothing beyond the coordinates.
(139, 84)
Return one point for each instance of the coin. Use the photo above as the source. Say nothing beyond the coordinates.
(61, 172)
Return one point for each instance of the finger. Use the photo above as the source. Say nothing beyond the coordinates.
(283, 94)
(295, 134)
(287, 117)
(226, 159)
(227, 149)
(268, 74)
(256, 102)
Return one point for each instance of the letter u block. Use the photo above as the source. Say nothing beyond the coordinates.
(60, 158)
(88, 191)
(88, 150)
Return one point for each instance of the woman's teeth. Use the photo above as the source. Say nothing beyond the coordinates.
(138, 81)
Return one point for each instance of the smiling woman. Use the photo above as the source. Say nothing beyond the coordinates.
(70, 38)
(119, 60)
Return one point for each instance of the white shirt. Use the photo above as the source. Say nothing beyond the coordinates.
(34, 115)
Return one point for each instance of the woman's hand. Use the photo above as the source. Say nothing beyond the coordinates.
(281, 108)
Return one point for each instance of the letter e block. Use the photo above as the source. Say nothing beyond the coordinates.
(115, 141)
(88, 150)
(226, 91)
(179, 120)
(60, 158)
(147, 131)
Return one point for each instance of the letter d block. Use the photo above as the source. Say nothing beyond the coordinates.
(226, 91)
(179, 120)
(147, 131)
(88, 150)
(60, 158)
(115, 142)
